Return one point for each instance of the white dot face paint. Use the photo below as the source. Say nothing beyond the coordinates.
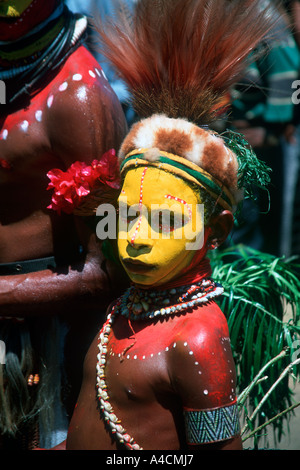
(4, 134)
(92, 74)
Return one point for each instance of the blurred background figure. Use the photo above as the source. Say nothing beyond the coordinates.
(264, 110)
(293, 8)
(94, 9)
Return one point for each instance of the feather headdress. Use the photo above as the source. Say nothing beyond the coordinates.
(179, 59)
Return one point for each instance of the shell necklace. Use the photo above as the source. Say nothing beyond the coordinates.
(138, 304)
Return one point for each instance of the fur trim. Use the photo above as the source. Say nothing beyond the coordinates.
(182, 138)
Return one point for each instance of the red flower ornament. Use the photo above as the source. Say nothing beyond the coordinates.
(83, 185)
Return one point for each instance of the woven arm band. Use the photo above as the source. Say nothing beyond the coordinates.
(204, 427)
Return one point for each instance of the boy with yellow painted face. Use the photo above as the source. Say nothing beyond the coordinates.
(162, 363)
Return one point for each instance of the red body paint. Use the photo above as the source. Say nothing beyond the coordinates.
(80, 68)
(187, 338)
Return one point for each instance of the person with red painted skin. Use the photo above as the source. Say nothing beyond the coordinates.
(162, 364)
(59, 109)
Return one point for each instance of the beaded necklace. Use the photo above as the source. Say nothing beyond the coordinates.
(138, 304)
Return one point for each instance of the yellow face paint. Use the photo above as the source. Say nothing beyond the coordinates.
(159, 221)
(13, 8)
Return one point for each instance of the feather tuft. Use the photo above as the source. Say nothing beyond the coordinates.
(180, 57)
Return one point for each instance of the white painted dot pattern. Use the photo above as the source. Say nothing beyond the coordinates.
(190, 354)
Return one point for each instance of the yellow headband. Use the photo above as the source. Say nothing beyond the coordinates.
(185, 170)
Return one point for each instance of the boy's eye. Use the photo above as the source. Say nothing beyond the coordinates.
(163, 221)
(166, 221)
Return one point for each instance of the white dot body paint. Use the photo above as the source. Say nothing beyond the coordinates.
(24, 125)
(77, 77)
(50, 101)
(63, 86)
(38, 115)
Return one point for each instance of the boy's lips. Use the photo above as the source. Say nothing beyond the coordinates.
(136, 266)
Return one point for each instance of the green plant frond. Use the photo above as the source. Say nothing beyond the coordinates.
(261, 302)
(252, 171)
(259, 350)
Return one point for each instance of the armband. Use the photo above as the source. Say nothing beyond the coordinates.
(215, 425)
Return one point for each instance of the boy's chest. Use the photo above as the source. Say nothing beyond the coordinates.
(137, 360)
(141, 341)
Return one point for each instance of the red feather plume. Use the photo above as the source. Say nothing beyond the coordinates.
(180, 57)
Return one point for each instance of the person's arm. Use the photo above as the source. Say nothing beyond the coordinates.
(83, 123)
(203, 374)
(47, 292)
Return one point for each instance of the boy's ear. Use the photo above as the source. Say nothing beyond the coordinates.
(221, 226)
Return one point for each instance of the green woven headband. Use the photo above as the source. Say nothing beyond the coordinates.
(184, 169)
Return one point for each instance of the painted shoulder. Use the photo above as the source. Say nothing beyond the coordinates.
(204, 324)
(84, 116)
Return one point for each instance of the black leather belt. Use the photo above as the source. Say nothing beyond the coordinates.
(28, 266)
